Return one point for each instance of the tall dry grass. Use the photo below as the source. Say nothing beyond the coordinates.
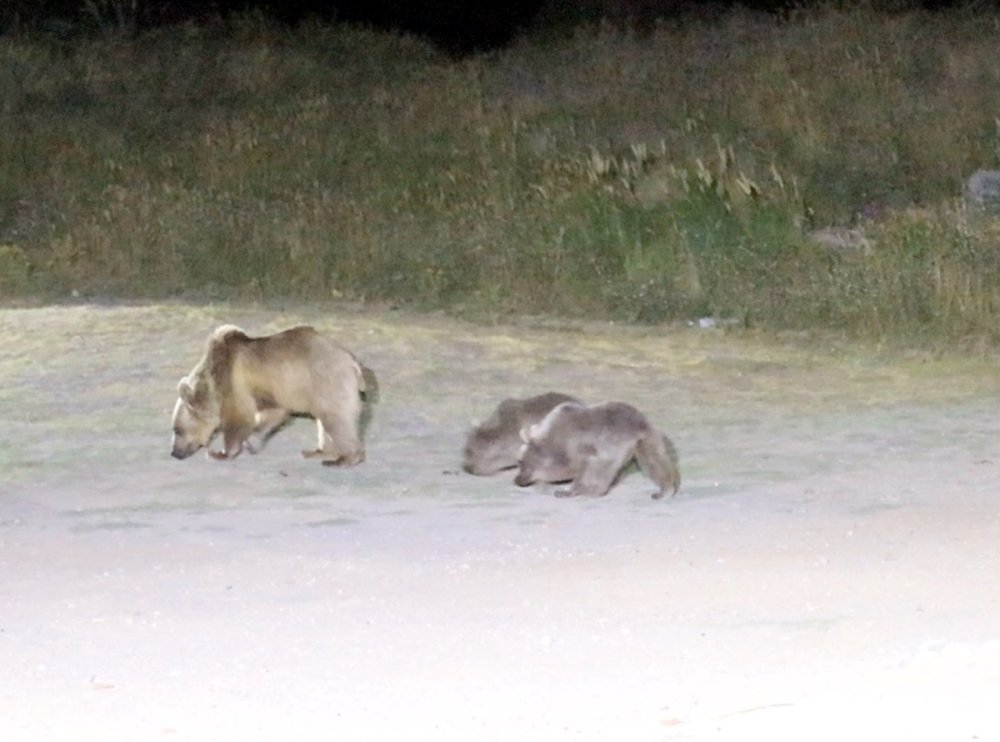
(655, 176)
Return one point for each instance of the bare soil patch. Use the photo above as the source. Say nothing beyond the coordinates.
(830, 567)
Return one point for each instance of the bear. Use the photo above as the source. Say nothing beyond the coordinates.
(244, 385)
(590, 445)
(493, 445)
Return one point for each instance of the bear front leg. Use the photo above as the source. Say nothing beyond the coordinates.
(595, 480)
(233, 440)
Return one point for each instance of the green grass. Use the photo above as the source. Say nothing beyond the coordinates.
(646, 177)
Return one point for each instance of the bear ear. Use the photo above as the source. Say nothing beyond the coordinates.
(185, 391)
(191, 392)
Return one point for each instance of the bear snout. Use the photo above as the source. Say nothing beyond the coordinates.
(523, 479)
(468, 463)
(181, 453)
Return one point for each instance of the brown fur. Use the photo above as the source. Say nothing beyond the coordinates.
(245, 385)
(492, 446)
(589, 446)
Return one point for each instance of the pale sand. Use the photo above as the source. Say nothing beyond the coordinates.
(829, 570)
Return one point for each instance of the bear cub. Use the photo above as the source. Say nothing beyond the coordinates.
(493, 445)
(589, 446)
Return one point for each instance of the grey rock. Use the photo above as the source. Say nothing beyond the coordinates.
(983, 187)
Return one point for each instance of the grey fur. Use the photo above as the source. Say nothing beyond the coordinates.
(589, 446)
(493, 445)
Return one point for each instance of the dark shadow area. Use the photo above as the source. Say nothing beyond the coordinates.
(459, 28)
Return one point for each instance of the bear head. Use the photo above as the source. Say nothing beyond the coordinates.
(542, 458)
(196, 416)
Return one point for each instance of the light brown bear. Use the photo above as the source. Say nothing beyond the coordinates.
(244, 385)
(589, 446)
(492, 446)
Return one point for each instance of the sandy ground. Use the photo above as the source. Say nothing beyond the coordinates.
(830, 568)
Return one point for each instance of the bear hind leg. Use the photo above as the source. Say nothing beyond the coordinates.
(338, 443)
(321, 444)
(266, 424)
(595, 480)
(657, 458)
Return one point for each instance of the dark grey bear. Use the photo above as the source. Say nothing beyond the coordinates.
(589, 446)
(492, 446)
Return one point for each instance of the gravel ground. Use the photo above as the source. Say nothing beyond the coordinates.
(829, 569)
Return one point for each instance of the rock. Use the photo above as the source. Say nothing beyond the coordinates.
(983, 187)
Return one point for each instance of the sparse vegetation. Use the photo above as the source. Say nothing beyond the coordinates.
(665, 175)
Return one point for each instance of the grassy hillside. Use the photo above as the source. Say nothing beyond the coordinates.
(647, 177)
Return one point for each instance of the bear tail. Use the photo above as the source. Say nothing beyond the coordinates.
(657, 457)
(368, 383)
